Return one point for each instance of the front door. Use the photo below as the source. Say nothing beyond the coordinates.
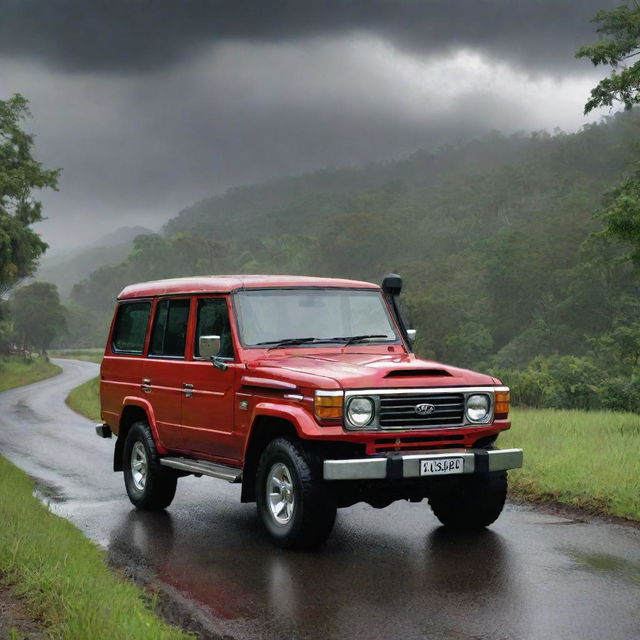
(208, 398)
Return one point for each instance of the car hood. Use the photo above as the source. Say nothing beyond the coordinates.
(365, 371)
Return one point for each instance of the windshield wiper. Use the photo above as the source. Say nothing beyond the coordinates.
(285, 342)
(351, 339)
(288, 342)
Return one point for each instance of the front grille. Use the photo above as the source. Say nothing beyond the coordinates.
(398, 411)
(421, 443)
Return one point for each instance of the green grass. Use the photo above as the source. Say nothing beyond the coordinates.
(85, 399)
(586, 459)
(15, 371)
(62, 577)
(89, 355)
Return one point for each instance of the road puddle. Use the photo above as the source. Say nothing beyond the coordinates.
(606, 564)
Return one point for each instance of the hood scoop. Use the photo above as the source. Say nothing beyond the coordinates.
(416, 373)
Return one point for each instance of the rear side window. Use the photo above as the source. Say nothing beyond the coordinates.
(131, 327)
(170, 328)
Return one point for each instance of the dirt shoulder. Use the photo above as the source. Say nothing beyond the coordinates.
(15, 620)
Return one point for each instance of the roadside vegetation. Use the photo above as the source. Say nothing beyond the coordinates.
(88, 355)
(15, 371)
(587, 459)
(62, 577)
(85, 399)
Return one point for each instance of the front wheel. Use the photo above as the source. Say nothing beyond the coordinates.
(293, 504)
(470, 502)
(149, 485)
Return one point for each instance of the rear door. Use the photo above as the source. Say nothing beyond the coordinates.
(162, 381)
(123, 365)
(207, 404)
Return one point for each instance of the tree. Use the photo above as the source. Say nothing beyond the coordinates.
(622, 44)
(622, 25)
(20, 174)
(38, 315)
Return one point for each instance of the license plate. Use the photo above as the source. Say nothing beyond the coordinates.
(441, 466)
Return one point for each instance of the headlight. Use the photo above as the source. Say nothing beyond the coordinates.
(360, 412)
(478, 407)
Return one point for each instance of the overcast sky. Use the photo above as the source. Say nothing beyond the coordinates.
(150, 106)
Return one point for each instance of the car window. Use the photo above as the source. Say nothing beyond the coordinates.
(213, 320)
(131, 327)
(170, 328)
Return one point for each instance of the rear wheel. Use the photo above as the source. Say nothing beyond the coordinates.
(149, 485)
(471, 502)
(293, 504)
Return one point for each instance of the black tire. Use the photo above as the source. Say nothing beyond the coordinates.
(313, 510)
(157, 489)
(471, 502)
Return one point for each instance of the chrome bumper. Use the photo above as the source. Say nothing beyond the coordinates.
(397, 466)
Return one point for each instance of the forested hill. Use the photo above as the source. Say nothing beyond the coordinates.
(493, 238)
(65, 269)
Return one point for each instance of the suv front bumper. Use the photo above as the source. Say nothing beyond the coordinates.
(397, 466)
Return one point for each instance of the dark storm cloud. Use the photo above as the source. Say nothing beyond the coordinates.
(150, 106)
(141, 35)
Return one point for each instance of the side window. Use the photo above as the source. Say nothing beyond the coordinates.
(213, 320)
(170, 328)
(131, 327)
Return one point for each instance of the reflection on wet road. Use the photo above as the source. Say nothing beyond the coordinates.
(391, 573)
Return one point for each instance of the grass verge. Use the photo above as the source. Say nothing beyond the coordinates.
(88, 355)
(15, 371)
(585, 459)
(62, 577)
(85, 399)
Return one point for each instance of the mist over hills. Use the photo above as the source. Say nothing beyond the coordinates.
(493, 237)
(65, 268)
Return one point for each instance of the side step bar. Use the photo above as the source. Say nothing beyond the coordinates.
(205, 468)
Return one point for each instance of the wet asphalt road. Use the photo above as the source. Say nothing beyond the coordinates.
(391, 573)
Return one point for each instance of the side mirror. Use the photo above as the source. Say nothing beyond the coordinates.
(209, 346)
(411, 334)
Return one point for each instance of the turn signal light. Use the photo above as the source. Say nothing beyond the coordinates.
(328, 405)
(501, 403)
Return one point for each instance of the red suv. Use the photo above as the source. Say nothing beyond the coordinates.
(305, 391)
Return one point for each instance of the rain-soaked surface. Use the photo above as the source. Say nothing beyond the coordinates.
(391, 573)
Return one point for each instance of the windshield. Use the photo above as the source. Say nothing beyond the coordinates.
(302, 316)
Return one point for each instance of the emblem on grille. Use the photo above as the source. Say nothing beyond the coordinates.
(424, 409)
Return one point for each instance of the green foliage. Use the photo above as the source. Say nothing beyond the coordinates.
(622, 216)
(20, 174)
(560, 382)
(622, 25)
(38, 315)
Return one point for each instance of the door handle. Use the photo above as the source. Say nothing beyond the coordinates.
(188, 390)
(145, 385)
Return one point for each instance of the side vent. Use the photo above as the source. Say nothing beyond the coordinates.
(414, 373)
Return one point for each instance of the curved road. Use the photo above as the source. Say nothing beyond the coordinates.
(392, 573)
